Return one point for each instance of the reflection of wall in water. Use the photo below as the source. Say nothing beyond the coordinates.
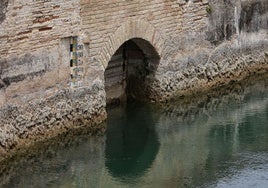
(63, 162)
(192, 138)
(195, 134)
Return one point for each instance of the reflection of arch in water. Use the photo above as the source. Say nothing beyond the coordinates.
(132, 143)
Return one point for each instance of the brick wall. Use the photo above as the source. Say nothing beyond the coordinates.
(33, 24)
(102, 19)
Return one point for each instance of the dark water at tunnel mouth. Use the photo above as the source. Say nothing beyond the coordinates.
(218, 140)
(132, 142)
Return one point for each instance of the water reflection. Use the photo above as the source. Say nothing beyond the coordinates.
(211, 134)
(66, 161)
(214, 140)
(132, 143)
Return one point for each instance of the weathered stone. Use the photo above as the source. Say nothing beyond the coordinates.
(3, 7)
(187, 46)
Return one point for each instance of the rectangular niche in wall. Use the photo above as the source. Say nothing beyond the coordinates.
(76, 62)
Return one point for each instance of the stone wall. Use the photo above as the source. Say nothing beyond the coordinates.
(231, 47)
(45, 81)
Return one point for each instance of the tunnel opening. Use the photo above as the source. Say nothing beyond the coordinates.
(130, 72)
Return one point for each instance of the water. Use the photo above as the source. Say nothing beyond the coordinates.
(214, 140)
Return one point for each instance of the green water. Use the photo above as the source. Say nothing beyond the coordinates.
(216, 140)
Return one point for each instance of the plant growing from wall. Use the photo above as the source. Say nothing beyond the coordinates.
(209, 9)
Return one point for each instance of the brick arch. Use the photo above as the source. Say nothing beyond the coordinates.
(132, 29)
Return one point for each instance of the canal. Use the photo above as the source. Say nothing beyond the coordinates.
(218, 139)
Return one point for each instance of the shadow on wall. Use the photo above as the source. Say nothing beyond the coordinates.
(228, 16)
(3, 6)
(254, 15)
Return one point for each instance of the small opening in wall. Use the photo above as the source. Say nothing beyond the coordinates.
(71, 63)
(76, 56)
(71, 47)
(45, 29)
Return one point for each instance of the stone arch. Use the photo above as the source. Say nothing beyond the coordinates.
(139, 29)
(130, 59)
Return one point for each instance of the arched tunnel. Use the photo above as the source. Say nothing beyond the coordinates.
(130, 71)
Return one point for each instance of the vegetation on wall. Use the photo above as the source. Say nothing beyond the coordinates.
(209, 9)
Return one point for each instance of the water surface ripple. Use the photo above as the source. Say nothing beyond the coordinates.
(214, 140)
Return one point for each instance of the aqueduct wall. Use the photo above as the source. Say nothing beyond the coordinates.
(53, 55)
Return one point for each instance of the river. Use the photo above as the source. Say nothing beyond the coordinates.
(215, 140)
